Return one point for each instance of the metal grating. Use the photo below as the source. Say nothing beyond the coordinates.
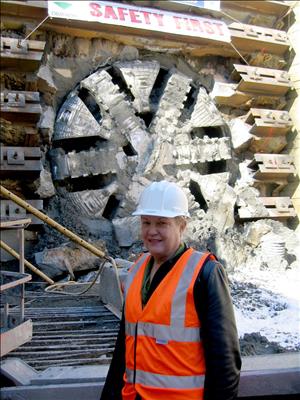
(68, 331)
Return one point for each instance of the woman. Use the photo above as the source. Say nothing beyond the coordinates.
(178, 338)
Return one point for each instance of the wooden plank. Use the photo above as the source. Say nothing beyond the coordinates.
(273, 213)
(15, 337)
(261, 72)
(75, 332)
(277, 382)
(98, 335)
(16, 279)
(279, 207)
(14, 224)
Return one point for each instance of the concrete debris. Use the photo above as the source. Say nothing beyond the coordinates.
(46, 122)
(240, 136)
(46, 84)
(125, 264)
(212, 188)
(127, 230)
(249, 202)
(45, 186)
(255, 231)
(67, 259)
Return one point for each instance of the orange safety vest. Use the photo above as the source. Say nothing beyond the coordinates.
(164, 352)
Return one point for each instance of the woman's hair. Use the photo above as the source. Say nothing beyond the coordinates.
(181, 220)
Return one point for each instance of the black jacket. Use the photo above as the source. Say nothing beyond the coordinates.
(218, 332)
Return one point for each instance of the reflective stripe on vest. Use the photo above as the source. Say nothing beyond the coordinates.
(165, 381)
(163, 332)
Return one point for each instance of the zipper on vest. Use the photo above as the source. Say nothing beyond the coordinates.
(134, 358)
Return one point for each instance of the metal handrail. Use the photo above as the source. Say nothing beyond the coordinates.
(27, 264)
(75, 238)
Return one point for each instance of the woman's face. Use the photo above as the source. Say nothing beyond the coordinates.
(161, 235)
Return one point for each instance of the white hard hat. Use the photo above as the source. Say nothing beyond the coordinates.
(163, 199)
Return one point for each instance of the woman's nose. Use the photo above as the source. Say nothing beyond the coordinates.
(152, 229)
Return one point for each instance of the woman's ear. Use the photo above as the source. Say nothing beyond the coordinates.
(183, 224)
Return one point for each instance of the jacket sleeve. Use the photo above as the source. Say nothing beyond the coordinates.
(114, 381)
(218, 333)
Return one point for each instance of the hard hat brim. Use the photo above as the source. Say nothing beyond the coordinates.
(164, 213)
